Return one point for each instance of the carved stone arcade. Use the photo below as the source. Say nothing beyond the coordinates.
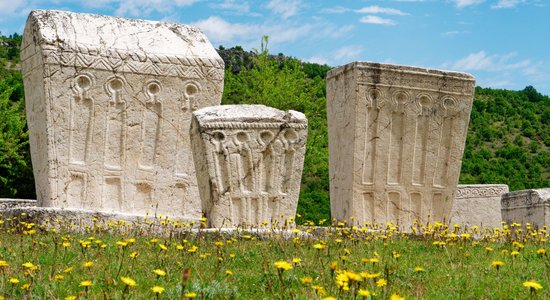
(109, 103)
(396, 139)
(249, 161)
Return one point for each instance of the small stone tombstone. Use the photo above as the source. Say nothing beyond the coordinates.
(396, 139)
(478, 205)
(109, 103)
(249, 161)
(527, 206)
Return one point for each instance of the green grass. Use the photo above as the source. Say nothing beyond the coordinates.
(338, 261)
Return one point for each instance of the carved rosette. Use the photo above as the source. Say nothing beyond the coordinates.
(254, 159)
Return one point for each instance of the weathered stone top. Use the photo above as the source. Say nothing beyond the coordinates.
(121, 40)
(480, 190)
(401, 76)
(532, 196)
(248, 116)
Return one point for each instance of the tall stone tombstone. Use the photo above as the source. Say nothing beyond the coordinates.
(396, 139)
(249, 161)
(109, 103)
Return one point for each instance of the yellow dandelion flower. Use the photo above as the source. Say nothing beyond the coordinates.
(497, 264)
(3, 264)
(30, 266)
(86, 283)
(282, 265)
(228, 273)
(157, 289)
(70, 298)
(374, 260)
(128, 281)
(296, 260)
(489, 249)
(190, 295)
(14, 280)
(306, 280)
(514, 253)
(193, 249)
(159, 272)
(59, 277)
(541, 251)
(68, 270)
(319, 246)
(122, 244)
(381, 282)
(66, 244)
(418, 269)
(88, 264)
(364, 293)
(134, 254)
(532, 285)
(396, 297)
(26, 286)
(329, 298)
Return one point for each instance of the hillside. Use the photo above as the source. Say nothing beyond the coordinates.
(508, 139)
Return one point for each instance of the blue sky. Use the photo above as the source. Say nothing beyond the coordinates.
(504, 43)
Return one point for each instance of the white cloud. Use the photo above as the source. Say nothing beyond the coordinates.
(318, 60)
(480, 61)
(335, 10)
(240, 7)
(506, 3)
(334, 31)
(453, 33)
(139, 8)
(375, 9)
(285, 8)
(377, 20)
(11, 7)
(464, 3)
(348, 53)
(249, 35)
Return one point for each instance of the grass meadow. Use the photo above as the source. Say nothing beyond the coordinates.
(117, 260)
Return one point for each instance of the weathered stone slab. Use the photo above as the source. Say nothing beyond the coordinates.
(479, 205)
(396, 139)
(527, 206)
(7, 203)
(249, 161)
(109, 104)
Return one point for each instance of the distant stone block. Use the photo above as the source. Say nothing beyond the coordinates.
(109, 103)
(527, 206)
(396, 139)
(249, 161)
(479, 205)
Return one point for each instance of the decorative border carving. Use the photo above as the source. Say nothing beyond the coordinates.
(480, 192)
(245, 125)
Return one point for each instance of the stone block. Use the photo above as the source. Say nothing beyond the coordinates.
(109, 103)
(527, 206)
(249, 161)
(396, 139)
(478, 205)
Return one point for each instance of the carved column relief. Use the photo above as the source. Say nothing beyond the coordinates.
(115, 132)
(152, 116)
(188, 105)
(82, 119)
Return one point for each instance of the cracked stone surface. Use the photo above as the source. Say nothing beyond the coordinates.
(527, 206)
(249, 161)
(396, 140)
(109, 103)
(479, 205)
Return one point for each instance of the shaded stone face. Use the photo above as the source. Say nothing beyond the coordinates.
(527, 206)
(249, 161)
(109, 103)
(396, 139)
(479, 205)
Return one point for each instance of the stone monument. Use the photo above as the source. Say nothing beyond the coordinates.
(478, 205)
(396, 139)
(527, 206)
(109, 103)
(249, 161)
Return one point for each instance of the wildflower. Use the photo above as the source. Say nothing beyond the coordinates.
(86, 283)
(364, 293)
(193, 249)
(59, 277)
(30, 266)
(306, 280)
(396, 297)
(283, 265)
(370, 275)
(3, 264)
(88, 264)
(68, 270)
(329, 298)
(541, 251)
(514, 253)
(296, 260)
(489, 249)
(70, 298)
(319, 246)
(159, 272)
(218, 243)
(163, 247)
(26, 286)
(66, 244)
(134, 254)
(418, 269)
(228, 273)
(319, 290)
(14, 280)
(532, 285)
(497, 264)
(381, 282)
(157, 289)
(128, 281)
(190, 295)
